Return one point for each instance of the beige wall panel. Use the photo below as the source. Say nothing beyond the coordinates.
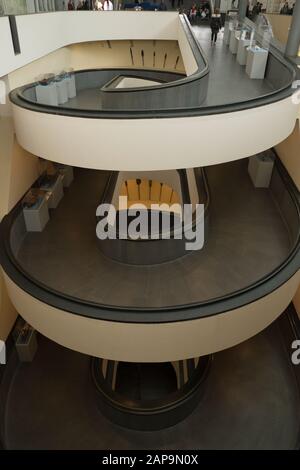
(289, 153)
(280, 25)
(8, 313)
(61, 29)
(153, 342)
(75, 141)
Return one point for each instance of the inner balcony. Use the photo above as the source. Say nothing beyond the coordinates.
(247, 238)
(152, 79)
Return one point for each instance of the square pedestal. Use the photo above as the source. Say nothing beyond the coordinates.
(67, 174)
(260, 169)
(227, 31)
(71, 84)
(256, 62)
(30, 6)
(47, 94)
(26, 345)
(241, 56)
(62, 91)
(55, 192)
(37, 216)
(234, 41)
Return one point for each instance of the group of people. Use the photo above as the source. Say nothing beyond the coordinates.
(256, 10)
(201, 11)
(286, 9)
(105, 5)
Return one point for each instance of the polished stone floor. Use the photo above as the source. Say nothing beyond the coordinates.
(251, 401)
(246, 240)
(228, 81)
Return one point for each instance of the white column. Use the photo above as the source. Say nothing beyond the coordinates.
(30, 6)
(293, 42)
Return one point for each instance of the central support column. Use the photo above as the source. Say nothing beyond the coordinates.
(293, 42)
(243, 4)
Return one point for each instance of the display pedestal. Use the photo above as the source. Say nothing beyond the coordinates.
(30, 6)
(234, 41)
(256, 62)
(260, 169)
(227, 32)
(55, 192)
(36, 217)
(26, 345)
(71, 84)
(242, 51)
(67, 174)
(62, 91)
(47, 94)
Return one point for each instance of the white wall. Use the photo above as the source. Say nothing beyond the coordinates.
(289, 153)
(40, 34)
(153, 342)
(154, 144)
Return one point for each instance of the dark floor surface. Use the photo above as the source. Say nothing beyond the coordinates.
(228, 81)
(251, 402)
(246, 240)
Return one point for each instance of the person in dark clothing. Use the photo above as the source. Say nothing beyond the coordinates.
(215, 25)
(285, 9)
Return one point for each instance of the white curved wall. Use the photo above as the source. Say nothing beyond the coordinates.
(152, 342)
(154, 144)
(40, 34)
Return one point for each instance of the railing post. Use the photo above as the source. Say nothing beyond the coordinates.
(293, 43)
(243, 4)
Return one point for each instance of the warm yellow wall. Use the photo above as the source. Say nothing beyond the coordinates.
(8, 313)
(24, 171)
(289, 153)
(99, 54)
(280, 25)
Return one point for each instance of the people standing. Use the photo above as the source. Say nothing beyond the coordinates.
(285, 9)
(193, 12)
(108, 5)
(98, 5)
(215, 25)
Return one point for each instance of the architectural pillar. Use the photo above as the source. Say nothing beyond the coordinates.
(243, 4)
(217, 3)
(293, 43)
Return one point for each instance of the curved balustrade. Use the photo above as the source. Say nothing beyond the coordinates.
(173, 96)
(173, 92)
(286, 196)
